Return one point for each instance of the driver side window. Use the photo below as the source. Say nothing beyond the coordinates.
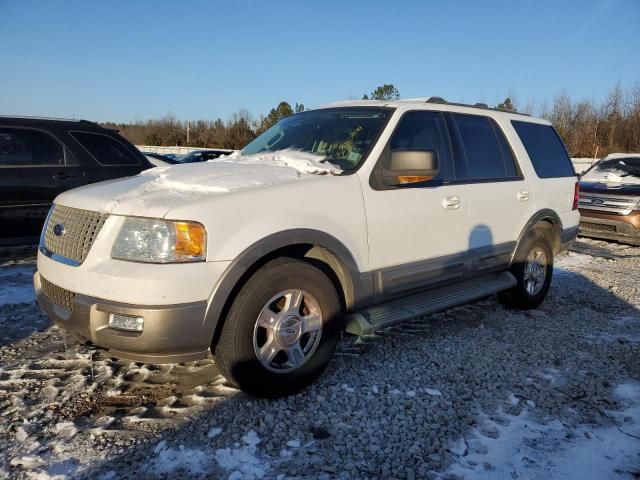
(424, 130)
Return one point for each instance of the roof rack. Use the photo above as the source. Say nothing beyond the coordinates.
(483, 106)
(54, 119)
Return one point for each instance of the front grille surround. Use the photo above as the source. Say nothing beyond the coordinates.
(605, 202)
(80, 229)
(57, 295)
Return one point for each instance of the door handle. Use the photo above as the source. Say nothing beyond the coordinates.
(523, 195)
(452, 202)
(63, 176)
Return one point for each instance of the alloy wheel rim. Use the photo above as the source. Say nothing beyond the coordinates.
(287, 331)
(535, 271)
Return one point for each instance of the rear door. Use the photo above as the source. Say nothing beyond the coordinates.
(499, 196)
(34, 168)
(554, 171)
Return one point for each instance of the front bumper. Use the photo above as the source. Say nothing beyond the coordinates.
(171, 334)
(623, 228)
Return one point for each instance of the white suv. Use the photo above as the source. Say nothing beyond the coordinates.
(350, 217)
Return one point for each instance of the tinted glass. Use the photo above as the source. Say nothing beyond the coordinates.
(29, 147)
(193, 157)
(507, 155)
(105, 149)
(341, 136)
(423, 131)
(480, 145)
(545, 149)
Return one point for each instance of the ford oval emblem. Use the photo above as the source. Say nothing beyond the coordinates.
(58, 230)
(597, 201)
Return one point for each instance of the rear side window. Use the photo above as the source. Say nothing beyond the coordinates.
(507, 154)
(21, 147)
(545, 149)
(106, 150)
(481, 148)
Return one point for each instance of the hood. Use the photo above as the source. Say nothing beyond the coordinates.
(154, 192)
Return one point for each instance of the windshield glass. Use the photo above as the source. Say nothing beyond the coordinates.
(343, 136)
(618, 170)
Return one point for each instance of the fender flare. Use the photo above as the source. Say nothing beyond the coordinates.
(355, 285)
(544, 214)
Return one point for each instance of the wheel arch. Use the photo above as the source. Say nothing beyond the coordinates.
(318, 248)
(550, 222)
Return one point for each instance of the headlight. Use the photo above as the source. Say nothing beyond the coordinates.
(152, 240)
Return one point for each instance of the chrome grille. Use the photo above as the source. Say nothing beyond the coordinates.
(79, 230)
(618, 204)
(57, 295)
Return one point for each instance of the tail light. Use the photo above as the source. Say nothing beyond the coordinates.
(576, 197)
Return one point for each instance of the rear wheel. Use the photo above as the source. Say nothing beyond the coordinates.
(281, 330)
(533, 269)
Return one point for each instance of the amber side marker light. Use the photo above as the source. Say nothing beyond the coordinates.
(190, 239)
(412, 178)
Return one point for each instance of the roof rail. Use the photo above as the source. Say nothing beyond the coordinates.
(53, 119)
(483, 106)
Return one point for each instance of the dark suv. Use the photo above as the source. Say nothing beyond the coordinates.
(40, 158)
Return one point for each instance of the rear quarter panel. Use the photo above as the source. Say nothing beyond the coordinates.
(554, 194)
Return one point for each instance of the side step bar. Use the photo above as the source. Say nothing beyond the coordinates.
(368, 320)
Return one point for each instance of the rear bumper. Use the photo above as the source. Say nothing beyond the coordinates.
(171, 333)
(568, 236)
(623, 228)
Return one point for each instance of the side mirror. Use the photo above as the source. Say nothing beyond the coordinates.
(411, 166)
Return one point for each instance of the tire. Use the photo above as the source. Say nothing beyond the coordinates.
(523, 296)
(264, 318)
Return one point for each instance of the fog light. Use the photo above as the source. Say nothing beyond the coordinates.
(126, 322)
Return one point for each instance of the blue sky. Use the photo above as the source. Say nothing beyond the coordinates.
(126, 60)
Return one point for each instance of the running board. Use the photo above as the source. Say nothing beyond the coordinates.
(368, 320)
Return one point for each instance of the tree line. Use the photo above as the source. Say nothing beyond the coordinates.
(588, 128)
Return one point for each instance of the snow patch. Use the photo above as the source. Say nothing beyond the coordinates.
(523, 447)
(66, 429)
(251, 438)
(214, 432)
(17, 284)
(178, 184)
(571, 262)
(628, 391)
(242, 462)
(303, 162)
(168, 460)
(433, 392)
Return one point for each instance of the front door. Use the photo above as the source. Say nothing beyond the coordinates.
(418, 233)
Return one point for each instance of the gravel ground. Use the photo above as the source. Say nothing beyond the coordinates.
(478, 391)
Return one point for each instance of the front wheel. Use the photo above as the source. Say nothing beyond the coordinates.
(281, 329)
(533, 269)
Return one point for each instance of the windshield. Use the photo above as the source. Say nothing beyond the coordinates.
(343, 136)
(618, 170)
